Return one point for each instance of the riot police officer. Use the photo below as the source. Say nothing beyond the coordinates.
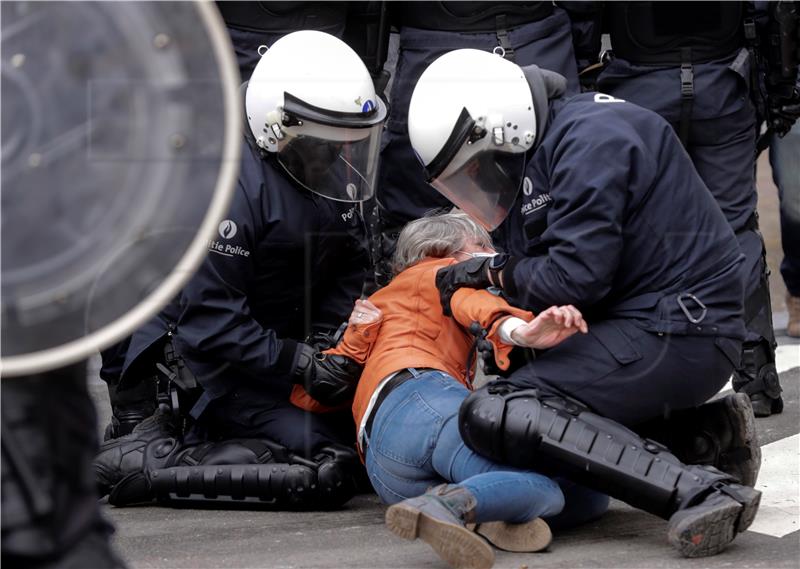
(287, 262)
(694, 63)
(612, 218)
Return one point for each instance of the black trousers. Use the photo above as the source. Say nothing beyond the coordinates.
(630, 375)
(50, 513)
(264, 410)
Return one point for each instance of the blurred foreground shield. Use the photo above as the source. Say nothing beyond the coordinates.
(120, 150)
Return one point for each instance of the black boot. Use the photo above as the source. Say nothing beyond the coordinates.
(130, 406)
(721, 433)
(707, 528)
(439, 518)
(122, 457)
(758, 378)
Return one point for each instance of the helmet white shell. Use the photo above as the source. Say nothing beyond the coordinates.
(315, 67)
(493, 90)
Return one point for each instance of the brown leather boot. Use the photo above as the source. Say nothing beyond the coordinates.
(793, 306)
(527, 537)
(439, 518)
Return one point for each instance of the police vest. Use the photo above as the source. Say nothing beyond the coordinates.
(657, 33)
(467, 16)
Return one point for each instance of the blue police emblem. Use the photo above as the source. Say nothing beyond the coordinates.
(368, 106)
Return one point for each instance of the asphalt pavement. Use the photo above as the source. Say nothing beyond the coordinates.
(355, 537)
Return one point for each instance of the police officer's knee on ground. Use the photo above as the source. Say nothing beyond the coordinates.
(292, 251)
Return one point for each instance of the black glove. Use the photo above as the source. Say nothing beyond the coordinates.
(481, 272)
(785, 115)
(473, 273)
(330, 379)
(324, 339)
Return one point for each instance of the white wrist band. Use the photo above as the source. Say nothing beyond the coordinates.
(509, 325)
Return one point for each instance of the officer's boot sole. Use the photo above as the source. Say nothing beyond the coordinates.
(457, 545)
(764, 406)
(707, 528)
(745, 460)
(527, 537)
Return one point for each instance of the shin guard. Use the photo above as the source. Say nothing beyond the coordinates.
(525, 430)
(249, 473)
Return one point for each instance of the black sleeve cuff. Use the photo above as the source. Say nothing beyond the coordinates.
(509, 284)
(286, 362)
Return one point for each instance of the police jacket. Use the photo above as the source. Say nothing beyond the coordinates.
(285, 262)
(614, 219)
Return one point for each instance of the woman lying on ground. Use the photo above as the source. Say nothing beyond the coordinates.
(415, 377)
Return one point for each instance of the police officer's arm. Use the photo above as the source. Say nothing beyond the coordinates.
(590, 174)
(332, 376)
(347, 282)
(216, 320)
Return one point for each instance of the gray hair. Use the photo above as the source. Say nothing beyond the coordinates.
(437, 236)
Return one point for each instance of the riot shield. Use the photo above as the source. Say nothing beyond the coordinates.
(120, 151)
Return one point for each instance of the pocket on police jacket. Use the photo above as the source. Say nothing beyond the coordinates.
(616, 341)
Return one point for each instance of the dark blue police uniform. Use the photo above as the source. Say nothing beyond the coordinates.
(689, 62)
(614, 219)
(284, 263)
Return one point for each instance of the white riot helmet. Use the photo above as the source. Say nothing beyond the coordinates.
(312, 103)
(471, 121)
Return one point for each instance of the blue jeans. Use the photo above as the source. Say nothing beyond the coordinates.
(415, 444)
(783, 156)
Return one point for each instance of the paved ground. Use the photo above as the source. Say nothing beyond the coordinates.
(356, 537)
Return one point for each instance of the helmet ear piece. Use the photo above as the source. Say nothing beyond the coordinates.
(555, 84)
(549, 83)
(544, 85)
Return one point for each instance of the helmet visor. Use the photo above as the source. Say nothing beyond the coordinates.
(333, 166)
(485, 185)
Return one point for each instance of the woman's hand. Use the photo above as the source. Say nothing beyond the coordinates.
(550, 327)
(364, 312)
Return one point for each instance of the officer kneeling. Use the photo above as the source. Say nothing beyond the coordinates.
(287, 264)
(613, 219)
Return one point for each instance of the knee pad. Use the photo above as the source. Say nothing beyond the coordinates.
(233, 451)
(507, 426)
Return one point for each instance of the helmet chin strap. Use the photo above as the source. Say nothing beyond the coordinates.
(545, 85)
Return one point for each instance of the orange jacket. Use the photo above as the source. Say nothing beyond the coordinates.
(414, 332)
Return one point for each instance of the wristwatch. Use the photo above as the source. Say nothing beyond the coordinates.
(497, 264)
